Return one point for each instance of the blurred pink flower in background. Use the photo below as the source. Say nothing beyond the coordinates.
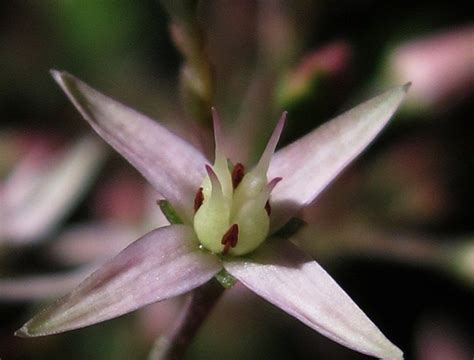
(439, 338)
(328, 61)
(44, 186)
(84, 246)
(441, 67)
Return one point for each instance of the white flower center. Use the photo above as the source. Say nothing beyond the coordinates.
(234, 215)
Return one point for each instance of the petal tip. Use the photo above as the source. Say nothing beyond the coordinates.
(391, 352)
(397, 355)
(24, 332)
(407, 86)
(282, 120)
(62, 78)
(57, 74)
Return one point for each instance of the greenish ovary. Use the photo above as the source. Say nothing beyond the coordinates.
(224, 206)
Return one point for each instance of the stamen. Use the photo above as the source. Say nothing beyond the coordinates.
(268, 208)
(198, 200)
(270, 186)
(238, 173)
(273, 183)
(230, 238)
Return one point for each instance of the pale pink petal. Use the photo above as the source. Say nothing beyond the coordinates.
(48, 194)
(173, 166)
(25, 175)
(295, 283)
(308, 165)
(40, 287)
(162, 264)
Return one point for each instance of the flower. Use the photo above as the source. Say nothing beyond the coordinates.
(441, 66)
(175, 259)
(43, 188)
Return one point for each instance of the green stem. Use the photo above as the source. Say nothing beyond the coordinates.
(173, 346)
(197, 79)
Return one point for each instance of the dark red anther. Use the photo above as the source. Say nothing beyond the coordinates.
(230, 238)
(268, 208)
(198, 199)
(238, 173)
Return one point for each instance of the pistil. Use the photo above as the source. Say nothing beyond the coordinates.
(232, 208)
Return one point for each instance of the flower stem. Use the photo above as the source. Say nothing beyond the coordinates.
(173, 346)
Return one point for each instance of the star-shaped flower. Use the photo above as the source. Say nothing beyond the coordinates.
(228, 221)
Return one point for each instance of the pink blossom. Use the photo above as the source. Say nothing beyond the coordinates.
(175, 259)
